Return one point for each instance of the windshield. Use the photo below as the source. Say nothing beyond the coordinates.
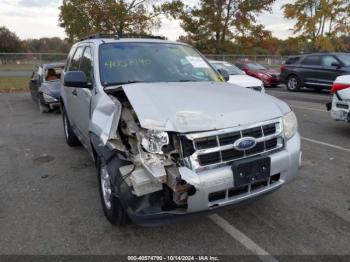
(255, 66)
(122, 63)
(231, 69)
(345, 58)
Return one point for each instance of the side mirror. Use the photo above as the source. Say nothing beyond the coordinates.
(336, 64)
(76, 79)
(224, 73)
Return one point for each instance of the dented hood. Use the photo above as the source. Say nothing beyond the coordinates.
(200, 106)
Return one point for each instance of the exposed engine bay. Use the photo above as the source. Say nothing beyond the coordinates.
(155, 157)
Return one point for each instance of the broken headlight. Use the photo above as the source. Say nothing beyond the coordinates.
(290, 125)
(153, 141)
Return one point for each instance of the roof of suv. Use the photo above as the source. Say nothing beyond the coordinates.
(116, 39)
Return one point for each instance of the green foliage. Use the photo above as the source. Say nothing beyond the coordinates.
(322, 21)
(46, 45)
(9, 42)
(212, 23)
(85, 17)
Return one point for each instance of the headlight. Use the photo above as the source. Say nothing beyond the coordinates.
(48, 98)
(290, 125)
(154, 140)
(262, 75)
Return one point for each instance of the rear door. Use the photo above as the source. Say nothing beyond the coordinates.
(34, 85)
(311, 70)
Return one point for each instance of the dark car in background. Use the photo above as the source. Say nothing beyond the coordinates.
(45, 86)
(269, 76)
(316, 71)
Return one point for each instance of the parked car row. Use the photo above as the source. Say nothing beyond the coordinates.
(168, 136)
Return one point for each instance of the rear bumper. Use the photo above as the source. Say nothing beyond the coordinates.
(340, 109)
(284, 167)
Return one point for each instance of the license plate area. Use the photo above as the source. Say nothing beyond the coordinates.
(251, 170)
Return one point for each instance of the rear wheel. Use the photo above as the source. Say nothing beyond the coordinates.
(71, 138)
(111, 205)
(293, 83)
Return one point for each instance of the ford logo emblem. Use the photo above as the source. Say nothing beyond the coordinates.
(245, 143)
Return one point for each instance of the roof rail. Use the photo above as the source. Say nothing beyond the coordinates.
(100, 35)
(117, 36)
(143, 36)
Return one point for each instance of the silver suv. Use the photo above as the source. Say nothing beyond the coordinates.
(168, 135)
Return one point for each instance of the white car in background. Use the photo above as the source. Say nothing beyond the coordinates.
(239, 77)
(340, 105)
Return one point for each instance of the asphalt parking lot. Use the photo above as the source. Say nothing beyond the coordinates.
(49, 201)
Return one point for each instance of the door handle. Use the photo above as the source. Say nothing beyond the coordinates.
(74, 92)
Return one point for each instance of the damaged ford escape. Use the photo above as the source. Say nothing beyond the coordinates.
(168, 135)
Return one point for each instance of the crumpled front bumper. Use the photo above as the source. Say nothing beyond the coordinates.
(284, 164)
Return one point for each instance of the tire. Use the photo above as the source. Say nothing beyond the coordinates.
(293, 83)
(112, 208)
(71, 138)
(42, 107)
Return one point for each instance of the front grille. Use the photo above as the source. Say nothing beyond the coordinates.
(218, 147)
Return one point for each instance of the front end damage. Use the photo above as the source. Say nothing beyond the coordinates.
(170, 174)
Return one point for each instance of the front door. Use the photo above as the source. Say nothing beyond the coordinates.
(82, 105)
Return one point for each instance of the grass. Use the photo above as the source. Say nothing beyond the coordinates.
(13, 84)
(16, 67)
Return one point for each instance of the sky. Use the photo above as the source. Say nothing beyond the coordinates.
(39, 18)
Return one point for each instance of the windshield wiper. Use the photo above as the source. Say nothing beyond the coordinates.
(190, 80)
(125, 83)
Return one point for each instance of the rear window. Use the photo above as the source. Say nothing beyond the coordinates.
(292, 60)
(312, 60)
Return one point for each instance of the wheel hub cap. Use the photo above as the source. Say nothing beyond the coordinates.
(106, 186)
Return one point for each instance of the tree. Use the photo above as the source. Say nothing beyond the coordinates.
(9, 41)
(216, 21)
(321, 20)
(259, 41)
(46, 45)
(84, 17)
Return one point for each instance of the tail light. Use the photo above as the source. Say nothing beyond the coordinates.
(283, 67)
(338, 86)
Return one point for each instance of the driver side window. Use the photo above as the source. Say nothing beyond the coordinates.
(86, 64)
(328, 60)
(75, 62)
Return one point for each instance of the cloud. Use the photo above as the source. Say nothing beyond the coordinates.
(39, 3)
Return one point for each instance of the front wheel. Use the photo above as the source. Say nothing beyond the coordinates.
(293, 83)
(111, 205)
